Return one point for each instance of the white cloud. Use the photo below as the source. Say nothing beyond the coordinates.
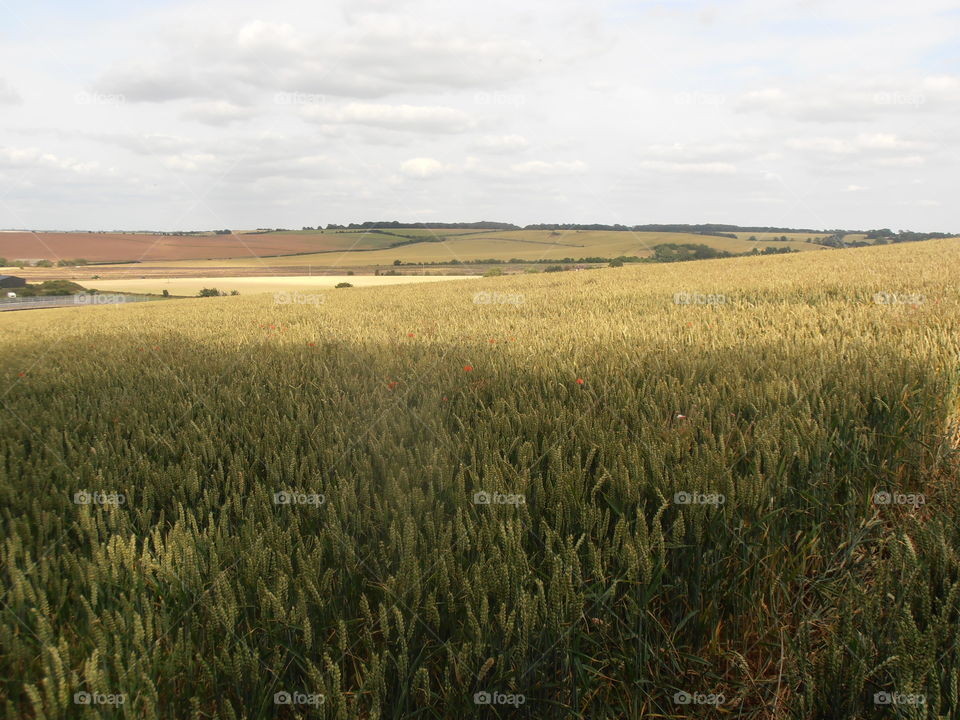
(540, 167)
(505, 144)
(144, 143)
(847, 99)
(370, 58)
(36, 167)
(200, 161)
(690, 168)
(410, 118)
(8, 96)
(906, 161)
(216, 112)
(421, 167)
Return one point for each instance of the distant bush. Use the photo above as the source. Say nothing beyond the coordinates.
(50, 287)
(673, 252)
(493, 272)
(343, 285)
(209, 292)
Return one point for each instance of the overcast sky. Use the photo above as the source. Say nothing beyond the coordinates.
(198, 115)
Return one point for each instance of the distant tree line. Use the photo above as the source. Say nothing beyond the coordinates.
(665, 252)
(699, 229)
(482, 225)
(885, 235)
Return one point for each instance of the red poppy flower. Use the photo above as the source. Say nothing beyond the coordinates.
(392, 385)
(21, 374)
(579, 381)
(410, 334)
(312, 344)
(468, 368)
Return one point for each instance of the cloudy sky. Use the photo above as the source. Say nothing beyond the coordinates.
(211, 114)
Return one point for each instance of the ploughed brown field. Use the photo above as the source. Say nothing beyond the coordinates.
(120, 247)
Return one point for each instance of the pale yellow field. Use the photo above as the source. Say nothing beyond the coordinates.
(524, 245)
(253, 285)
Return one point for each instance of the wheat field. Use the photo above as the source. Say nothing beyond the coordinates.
(595, 494)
